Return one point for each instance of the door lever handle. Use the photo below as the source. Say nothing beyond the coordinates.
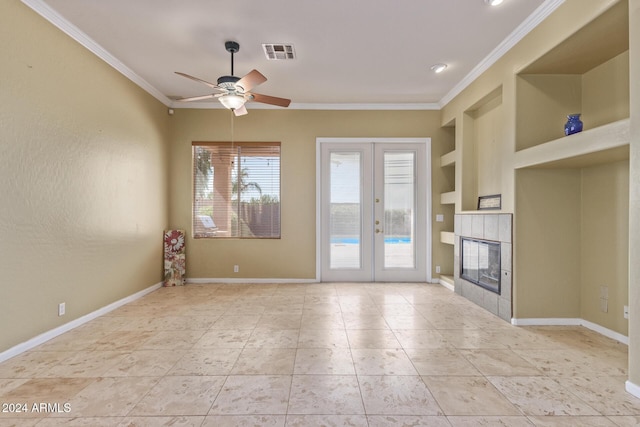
(379, 231)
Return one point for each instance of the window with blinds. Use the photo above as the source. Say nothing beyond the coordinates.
(236, 190)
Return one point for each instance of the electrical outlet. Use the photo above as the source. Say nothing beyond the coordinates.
(626, 311)
(437, 269)
(62, 309)
(439, 218)
(236, 268)
(604, 292)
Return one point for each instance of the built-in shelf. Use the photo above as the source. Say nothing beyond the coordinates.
(599, 41)
(448, 159)
(604, 144)
(448, 198)
(449, 172)
(582, 176)
(586, 73)
(447, 237)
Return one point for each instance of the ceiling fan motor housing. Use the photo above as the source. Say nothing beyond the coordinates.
(228, 82)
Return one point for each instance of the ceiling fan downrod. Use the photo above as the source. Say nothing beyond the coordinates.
(232, 47)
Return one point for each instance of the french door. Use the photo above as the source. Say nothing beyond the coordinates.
(373, 209)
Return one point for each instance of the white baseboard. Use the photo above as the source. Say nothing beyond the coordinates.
(544, 321)
(254, 280)
(46, 336)
(632, 388)
(606, 332)
(247, 280)
(572, 322)
(447, 285)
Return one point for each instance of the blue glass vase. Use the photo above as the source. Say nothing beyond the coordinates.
(573, 125)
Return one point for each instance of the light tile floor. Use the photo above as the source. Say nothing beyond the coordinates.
(340, 354)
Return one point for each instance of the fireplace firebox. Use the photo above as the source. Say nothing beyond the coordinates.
(480, 263)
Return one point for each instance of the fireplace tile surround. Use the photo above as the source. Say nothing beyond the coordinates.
(495, 227)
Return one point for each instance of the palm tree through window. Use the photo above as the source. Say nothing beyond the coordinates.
(236, 190)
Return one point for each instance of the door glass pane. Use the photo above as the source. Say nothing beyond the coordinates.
(399, 209)
(345, 210)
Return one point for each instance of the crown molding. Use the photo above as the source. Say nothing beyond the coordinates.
(365, 106)
(44, 10)
(539, 15)
(312, 106)
(542, 12)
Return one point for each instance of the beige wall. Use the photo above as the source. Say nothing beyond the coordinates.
(82, 179)
(634, 196)
(615, 96)
(604, 242)
(294, 255)
(574, 225)
(488, 141)
(547, 268)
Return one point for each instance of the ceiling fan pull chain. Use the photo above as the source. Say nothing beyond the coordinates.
(232, 137)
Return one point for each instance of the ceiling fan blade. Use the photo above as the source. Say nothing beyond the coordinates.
(196, 98)
(273, 100)
(251, 80)
(240, 111)
(197, 79)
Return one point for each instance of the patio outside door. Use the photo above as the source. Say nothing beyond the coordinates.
(373, 211)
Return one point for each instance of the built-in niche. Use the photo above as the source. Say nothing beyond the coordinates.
(481, 154)
(571, 192)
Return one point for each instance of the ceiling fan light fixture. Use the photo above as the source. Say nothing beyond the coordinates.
(493, 2)
(232, 101)
(438, 68)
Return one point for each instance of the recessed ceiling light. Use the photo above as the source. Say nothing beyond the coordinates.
(493, 2)
(438, 68)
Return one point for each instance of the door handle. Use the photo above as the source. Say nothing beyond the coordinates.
(379, 231)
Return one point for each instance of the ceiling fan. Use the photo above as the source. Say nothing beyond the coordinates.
(234, 91)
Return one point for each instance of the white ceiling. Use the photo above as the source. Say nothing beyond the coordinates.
(349, 52)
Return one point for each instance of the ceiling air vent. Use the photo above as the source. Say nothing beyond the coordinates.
(279, 51)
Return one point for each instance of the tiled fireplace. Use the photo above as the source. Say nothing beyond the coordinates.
(482, 263)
